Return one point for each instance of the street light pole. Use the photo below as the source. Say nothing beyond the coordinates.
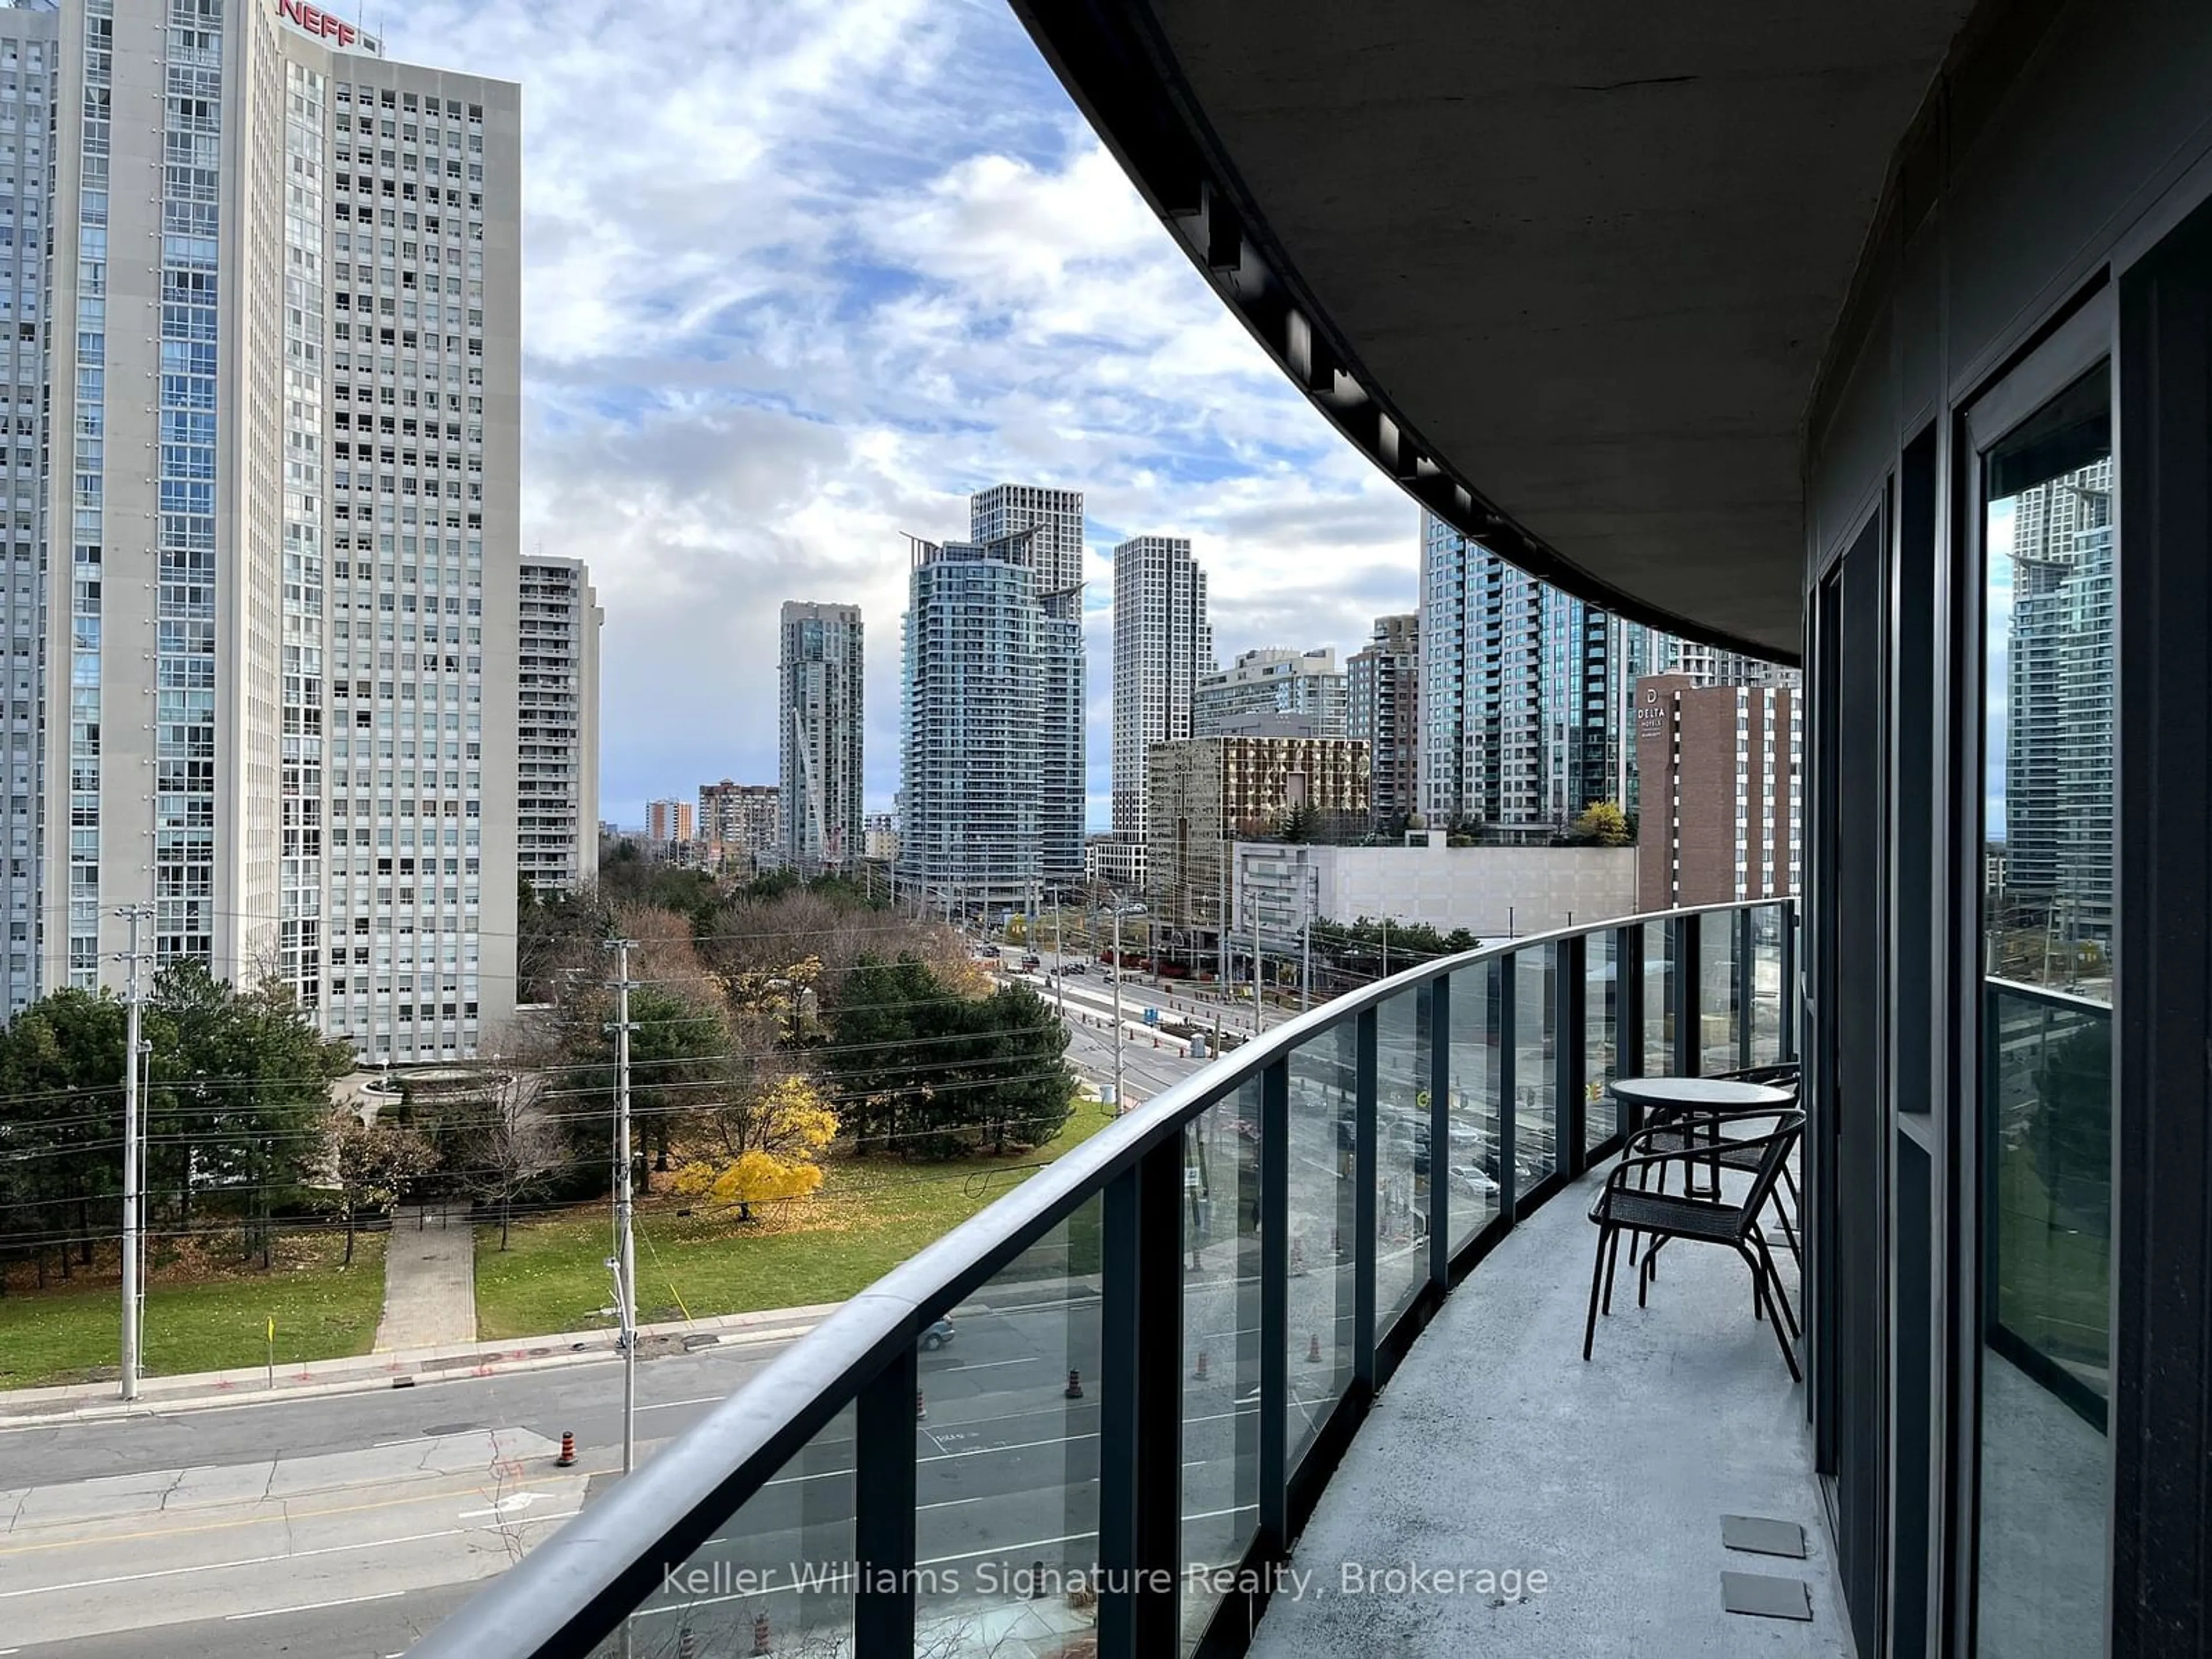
(133, 1160)
(625, 1261)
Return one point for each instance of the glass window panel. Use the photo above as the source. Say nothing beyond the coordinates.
(1221, 1346)
(1471, 1163)
(2047, 754)
(1319, 1335)
(1001, 1427)
(1658, 999)
(1767, 989)
(1535, 1079)
(780, 1567)
(1717, 1014)
(1401, 1152)
(1601, 1111)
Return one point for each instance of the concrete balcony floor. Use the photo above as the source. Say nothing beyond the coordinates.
(1495, 1446)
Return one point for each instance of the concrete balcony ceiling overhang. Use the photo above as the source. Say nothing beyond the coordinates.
(1568, 271)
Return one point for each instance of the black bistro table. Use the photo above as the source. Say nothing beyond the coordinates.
(1660, 1098)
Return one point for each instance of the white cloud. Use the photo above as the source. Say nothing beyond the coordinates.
(801, 274)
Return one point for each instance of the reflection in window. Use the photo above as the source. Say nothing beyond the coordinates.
(2047, 918)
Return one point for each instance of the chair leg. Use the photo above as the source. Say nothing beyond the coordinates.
(1789, 1227)
(1597, 1278)
(1789, 1219)
(1774, 1279)
(1650, 1268)
(1759, 1284)
(1612, 1262)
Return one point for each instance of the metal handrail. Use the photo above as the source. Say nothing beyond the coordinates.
(563, 1596)
(2073, 1000)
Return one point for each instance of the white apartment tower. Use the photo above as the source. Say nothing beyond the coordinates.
(819, 691)
(1041, 530)
(283, 371)
(1161, 643)
(557, 711)
(28, 37)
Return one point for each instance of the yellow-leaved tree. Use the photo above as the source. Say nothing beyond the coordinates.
(772, 1148)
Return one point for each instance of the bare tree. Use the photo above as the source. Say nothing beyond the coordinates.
(506, 1140)
(373, 1163)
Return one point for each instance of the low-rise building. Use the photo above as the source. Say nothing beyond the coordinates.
(1719, 817)
(1206, 792)
(1493, 892)
(1274, 692)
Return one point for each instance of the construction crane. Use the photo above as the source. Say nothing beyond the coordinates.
(813, 785)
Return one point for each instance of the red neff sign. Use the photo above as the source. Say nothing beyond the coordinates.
(317, 22)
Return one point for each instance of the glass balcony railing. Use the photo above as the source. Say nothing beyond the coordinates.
(2047, 1068)
(1187, 1318)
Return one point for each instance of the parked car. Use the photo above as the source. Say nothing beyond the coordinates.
(1469, 1179)
(938, 1335)
(1074, 968)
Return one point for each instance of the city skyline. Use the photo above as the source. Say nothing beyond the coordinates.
(781, 324)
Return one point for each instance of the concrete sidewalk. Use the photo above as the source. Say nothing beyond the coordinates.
(429, 1280)
(400, 1368)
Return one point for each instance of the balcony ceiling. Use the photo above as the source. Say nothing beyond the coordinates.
(1586, 256)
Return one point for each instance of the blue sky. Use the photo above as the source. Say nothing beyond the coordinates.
(799, 276)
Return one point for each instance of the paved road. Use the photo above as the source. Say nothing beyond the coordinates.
(173, 1535)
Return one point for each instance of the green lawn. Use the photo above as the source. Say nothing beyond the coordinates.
(868, 1217)
(322, 1311)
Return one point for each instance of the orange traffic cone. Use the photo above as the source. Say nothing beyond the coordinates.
(1074, 1390)
(761, 1642)
(1198, 1376)
(567, 1457)
(1313, 1349)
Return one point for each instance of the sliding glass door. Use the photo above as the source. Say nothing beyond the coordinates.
(2044, 460)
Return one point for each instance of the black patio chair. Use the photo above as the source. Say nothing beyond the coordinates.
(1625, 1205)
(1780, 1074)
(1707, 1135)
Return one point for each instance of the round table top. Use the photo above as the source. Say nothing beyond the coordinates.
(1698, 1091)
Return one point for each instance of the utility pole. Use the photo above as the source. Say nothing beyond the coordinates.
(1059, 966)
(1259, 1008)
(1386, 947)
(1120, 1105)
(624, 1261)
(1221, 918)
(134, 1167)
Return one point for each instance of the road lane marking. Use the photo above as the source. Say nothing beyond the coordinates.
(315, 1607)
(507, 1505)
(280, 1517)
(269, 1560)
(670, 1404)
(986, 1365)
